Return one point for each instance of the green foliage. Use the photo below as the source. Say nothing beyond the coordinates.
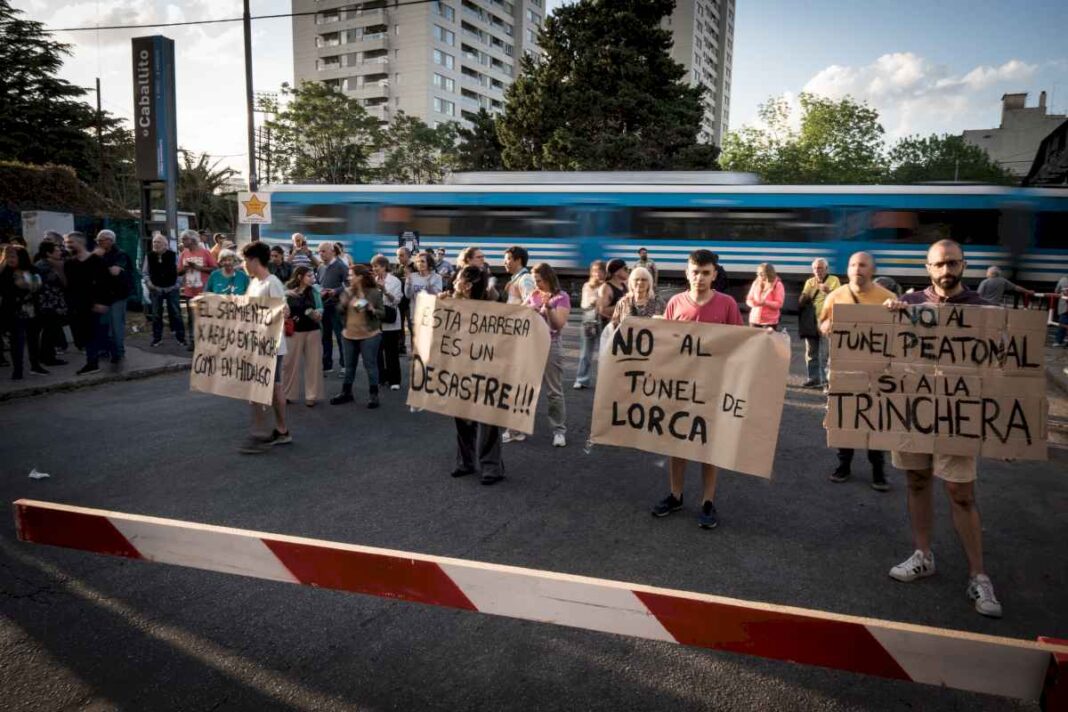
(480, 147)
(416, 153)
(42, 117)
(200, 186)
(836, 142)
(915, 159)
(606, 95)
(324, 136)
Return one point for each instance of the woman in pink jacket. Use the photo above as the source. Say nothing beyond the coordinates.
(765, 297)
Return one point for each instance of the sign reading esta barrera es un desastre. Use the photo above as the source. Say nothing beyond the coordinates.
(944, 379)
(478, 360)
(705, 392)
(236, 346)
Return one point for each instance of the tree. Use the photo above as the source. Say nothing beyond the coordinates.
(42, 119)
(200, 186)
(416, 153)
(605, 95)
(480, 147)
(915, 159)
(837, 142)
(324, 136)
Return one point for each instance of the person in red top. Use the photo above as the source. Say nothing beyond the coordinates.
(195, 264)
(701, 303)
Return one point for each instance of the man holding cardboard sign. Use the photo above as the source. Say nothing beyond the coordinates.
(945, 265)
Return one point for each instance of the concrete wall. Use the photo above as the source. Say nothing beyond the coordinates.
(1014, 143)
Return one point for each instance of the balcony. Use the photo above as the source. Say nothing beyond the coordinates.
(374, 90)
(380, 112)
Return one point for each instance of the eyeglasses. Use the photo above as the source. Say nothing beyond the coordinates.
(946, 264)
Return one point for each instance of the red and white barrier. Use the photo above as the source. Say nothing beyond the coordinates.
(966, 661)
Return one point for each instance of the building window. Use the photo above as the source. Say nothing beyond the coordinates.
(442, 106)
(444, 59)
(535, 3)
(446, 11)
(443, 35)
(534, 17)
(532, 36)
(442, 82)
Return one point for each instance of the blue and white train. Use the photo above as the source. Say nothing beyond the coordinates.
(569, 220)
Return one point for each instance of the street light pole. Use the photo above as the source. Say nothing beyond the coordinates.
(253, 183)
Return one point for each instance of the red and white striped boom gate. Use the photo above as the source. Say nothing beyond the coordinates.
(966, 661)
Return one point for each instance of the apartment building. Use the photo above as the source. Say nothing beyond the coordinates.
(440, 61)
(703, 31)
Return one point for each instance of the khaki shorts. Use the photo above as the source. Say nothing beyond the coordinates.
(951, 468)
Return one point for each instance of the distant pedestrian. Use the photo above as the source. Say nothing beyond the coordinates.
(88, 295)
(401, 269)
(19, 284)
(861, 289)
(704, 304)
(389, 369)
(993, 288)
(444, 268)
(304, 347)
(120, 267)
(722, 280)
(554, 305)
(647, 264)
(195, 265)
(591, 324)
(810, 303)
(422, 279)
(300, 255)
(521, 282)
(333, 275)
(641, 298)
(766, 297)
(362, 307)
(342, 255)
(51, 302)
(474, 257)
(265, 284)
(478, 445)
(219, 240)
(888, 283)
(612, 290)
(278, 265)
(228, 279)
(161, 279)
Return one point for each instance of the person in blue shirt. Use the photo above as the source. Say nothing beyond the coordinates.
(227, 279)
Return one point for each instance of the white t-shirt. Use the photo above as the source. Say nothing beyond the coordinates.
(271, 286)
(391, 294)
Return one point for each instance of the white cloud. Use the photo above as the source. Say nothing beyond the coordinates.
(914, 95)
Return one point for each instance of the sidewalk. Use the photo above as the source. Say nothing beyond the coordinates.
(141, 361)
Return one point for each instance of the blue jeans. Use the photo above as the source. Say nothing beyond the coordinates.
(174, 314)
(367, 349)
(331, 330)
(590, 344)
(816, 350)
(116, 322)
(1062, 330)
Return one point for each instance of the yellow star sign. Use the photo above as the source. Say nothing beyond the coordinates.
(254, 206)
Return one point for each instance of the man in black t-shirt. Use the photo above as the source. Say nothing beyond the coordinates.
(120, 270)
(88, 298)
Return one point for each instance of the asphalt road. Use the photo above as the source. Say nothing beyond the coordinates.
(80, 631)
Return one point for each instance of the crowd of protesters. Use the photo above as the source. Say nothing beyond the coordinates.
(363, 312)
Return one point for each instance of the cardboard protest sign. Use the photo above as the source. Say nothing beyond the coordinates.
(236, 343)
(944, 379)
(478, 360)
(705, 392)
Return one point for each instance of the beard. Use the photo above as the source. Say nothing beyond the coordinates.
(948, 281)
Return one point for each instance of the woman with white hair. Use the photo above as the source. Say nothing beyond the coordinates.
(228, 279)
(640, 300)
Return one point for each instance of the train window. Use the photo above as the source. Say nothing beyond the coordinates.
(315, 219)
(750, 224)
(486, 221)
(1051, 229)
(968, 227)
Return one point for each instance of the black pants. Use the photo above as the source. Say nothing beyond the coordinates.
(331, 332)
(877, 458)
(478, 447)
(389, 371)
(51, 337)
(405, 309)
(24, 338)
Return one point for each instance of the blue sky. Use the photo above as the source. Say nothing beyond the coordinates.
(938, 66)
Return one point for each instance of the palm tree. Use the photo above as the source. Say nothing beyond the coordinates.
(200, 190)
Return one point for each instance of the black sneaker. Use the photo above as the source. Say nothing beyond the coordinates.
(707, 518)
(254, 446)
(38, 371)
(461, 472)
(840, 475)
(157, 342)
(278, 438)
(343, 397)
(879, 483)
(373, 402)
(87, 369)
(667, 505)
(491, 479)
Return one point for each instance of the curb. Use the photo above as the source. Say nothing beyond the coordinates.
(95, 381)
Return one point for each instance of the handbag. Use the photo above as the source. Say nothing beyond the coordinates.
(290, 326)
(389, 314)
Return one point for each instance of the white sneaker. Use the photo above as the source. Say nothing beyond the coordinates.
(509, 436)
(559, 440)
(915, 567)
(981, 591)
(578, 386)
(395, 387)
